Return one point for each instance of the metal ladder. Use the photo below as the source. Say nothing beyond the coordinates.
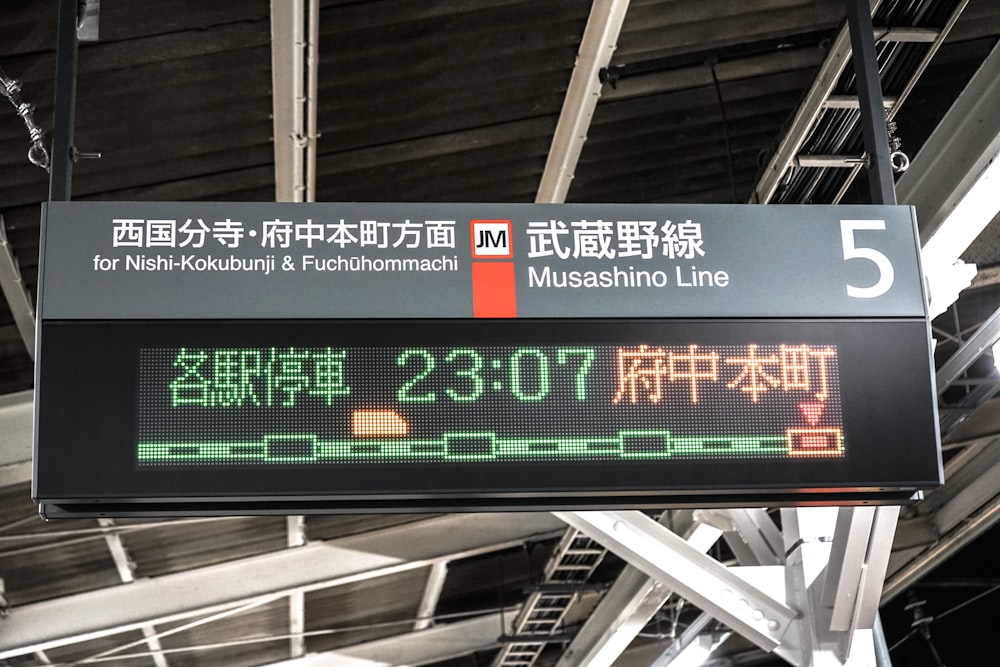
(795, 170)
(571, 564)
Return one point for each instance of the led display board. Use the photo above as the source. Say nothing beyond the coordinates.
(486, 403)
(253, 358)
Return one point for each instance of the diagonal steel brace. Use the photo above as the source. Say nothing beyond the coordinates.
(698, 578)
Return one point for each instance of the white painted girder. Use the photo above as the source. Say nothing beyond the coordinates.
(952, 184)
(696, 577)
(432, 593)
(288, 82)
(959, 150)
(16, 422)
(621, 615)
(294, 85)
(181, 595)
(295, 530)
(808, 534)
(752, 536)
(862, 541)
(126, 572)
(803, 640)
(693, 648)
(421, 647)
(600, 38)
(951, 516)
(625, 610)
(15, 291)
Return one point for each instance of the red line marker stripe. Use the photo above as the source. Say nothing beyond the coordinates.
(494, 292)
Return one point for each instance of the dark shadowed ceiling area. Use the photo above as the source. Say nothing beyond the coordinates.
(458, 101)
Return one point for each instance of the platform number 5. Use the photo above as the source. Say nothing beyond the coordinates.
(854, 251)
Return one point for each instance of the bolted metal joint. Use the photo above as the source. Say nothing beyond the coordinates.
(77, 155)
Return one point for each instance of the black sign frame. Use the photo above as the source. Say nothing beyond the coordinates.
(89, 374)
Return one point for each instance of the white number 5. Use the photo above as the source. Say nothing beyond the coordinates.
(851, 251)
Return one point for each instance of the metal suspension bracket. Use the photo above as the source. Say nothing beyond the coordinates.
(64, 102)
(88, 20)
(11, 88)
(871, 104)
(77, 22)
(900, 160)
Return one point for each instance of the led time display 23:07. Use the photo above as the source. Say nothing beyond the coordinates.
(336, 405)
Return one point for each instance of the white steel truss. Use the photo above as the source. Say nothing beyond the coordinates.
(811, 609)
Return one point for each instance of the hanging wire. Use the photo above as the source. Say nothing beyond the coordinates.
(992, 589)
(11, 88)
(80, 535)
(30, 519)
(725, 132)
(948, 612)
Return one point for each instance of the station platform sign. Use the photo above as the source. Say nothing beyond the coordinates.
(241, 358)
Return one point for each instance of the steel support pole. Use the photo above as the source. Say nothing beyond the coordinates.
(806, 116)
(880, 182)
(882, 657)
(64, 103)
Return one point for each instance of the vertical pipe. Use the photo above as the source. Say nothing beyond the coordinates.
(64, 103)
(882, 658)
(295, 528)
(288, 75)
(312, 102)
(299, 98)
(880, 182)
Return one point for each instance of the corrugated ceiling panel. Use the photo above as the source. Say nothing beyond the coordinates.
(197, 126)
(336, 526)
(493, 581)
(678, 146)
(39, 561)
(478, 80)
(185, 545)
(363, 611)
(664, 29)
(253, 637)
(75, 653)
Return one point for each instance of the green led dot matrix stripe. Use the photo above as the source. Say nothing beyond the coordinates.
(470, 446)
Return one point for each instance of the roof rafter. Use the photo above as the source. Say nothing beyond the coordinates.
(181, 595)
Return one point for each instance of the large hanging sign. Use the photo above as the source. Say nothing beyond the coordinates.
(214, 358)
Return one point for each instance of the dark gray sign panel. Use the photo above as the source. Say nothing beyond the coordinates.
(220, 358)
(224, 261)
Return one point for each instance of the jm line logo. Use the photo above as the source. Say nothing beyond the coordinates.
(491, 239)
